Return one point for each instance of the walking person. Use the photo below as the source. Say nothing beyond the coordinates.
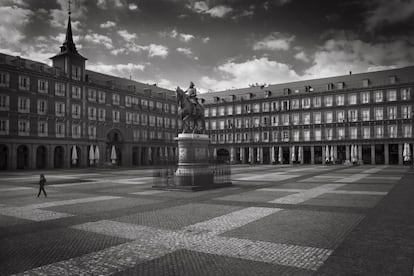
(42, 183)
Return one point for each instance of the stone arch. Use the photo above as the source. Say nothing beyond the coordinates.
(114, 138)
(223, 154)
(4, 157)
(22, 157)
(58, 157)
(41, 157)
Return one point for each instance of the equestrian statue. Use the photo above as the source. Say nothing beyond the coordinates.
(190, 110)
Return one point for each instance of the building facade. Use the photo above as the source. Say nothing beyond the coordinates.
(365, 118)
(66, 116)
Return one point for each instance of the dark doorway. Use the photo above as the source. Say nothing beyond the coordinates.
(58, 157)
(266, 155)
(379, 155)
(4, 156)
(307, 156)
(22, 157)
(393, 154)
(341, 154)
(41, 157)
(366, 154)
(223, 155)
(286, 155)
(135, 156)
(318, 154)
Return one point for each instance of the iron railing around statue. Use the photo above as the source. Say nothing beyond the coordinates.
(163, 174)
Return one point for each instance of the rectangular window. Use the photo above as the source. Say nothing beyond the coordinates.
(340, 116)
(392, 131)
(275, 120)
(274, 106)
(328, 117)
(92, 132)
(379, 131)
(206, 112)
(91, 113)
(407, 131)
(365, 83)
(341, 133)
(340, 85)
(247, 123)
(256, 108)
(24, 83)
(378, 96)
(238, 109)
(91, 95)
(42, 129)
(329, 133)
(213, 111)
(158, 106)
(60, 89)
(144, 119)
(328, 100)
(275, 136)
(365, 115)
(135, 118)
(295, 118)
(391, 95)
(285, 136)
(316, 117)
(115, 116)
(365, 97)
(295, 103)
(101, 114)
(296, 135)
(166, 108)
(353, 115)
(405, 94)
(128, 117)
(128, 101)
(286, 105)
(306, 102)
(41, 107)
(317, 102)
(230, 110)
(406, 112)
(4, 103)
(285, 119)
(76, 131)
(4, 79)
(317, 134)
(4, 127)
(379, 113)
(265, 121)
(24, 105)
(42, 86)
(60, 109)
(306, 135)
(392, 112)
(76, 72)
(221, 111)
(366, 132)
(151, 120)
(256, 122)
(23, 127)
(247, 108)
(76, 111)
(352, 99)
(340, 100)
(76, 92)
(265, 107)
(353, 131)
(306, 118)
(115, 99)
(101, 97)
(60, 130)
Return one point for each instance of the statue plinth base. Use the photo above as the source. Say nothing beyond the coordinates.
(193, 171)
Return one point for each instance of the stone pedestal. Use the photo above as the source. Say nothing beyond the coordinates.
(193, 171)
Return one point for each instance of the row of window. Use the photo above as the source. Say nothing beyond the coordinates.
(365, 132)
(93, 94)
(43, 131)
(340, 116)
(306, 103)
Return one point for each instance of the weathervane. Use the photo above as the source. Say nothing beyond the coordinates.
(69, 11)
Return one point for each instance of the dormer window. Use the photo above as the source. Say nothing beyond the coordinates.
(393, 79)
(340, 85)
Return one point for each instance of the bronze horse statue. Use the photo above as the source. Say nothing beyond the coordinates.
(192, 115)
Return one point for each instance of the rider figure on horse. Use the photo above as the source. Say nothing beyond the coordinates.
(192, 94)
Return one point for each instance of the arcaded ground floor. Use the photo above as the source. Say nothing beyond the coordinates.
(274, 220)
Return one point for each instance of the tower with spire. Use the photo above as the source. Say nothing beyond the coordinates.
(69, 60)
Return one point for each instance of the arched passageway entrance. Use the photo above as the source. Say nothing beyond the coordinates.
(22, 157)
(4, 157)
(58, 159)
(223, 155)
(41, 157)
(114, 145)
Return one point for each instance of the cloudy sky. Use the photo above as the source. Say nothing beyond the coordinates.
(218, 44)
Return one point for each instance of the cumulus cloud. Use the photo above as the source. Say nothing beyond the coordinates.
(218, 11)
(256, 70)
(127, 35)
(302, 56)
(99, 39)
(120, 70)
(186, 37)
(275, 41)
(108, 24)
(132, 7)
(12, 21)
(59, 17)
(104, 4)
(156, 50)
(340, 55)
(385, 12)
(187, 52)
(206, 39)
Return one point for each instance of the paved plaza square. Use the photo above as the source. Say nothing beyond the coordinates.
(274, 220)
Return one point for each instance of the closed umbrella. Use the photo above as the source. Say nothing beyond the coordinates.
(97, 154)
(352, 153)
(326, 153)
(356, 153)
(408, 152)
(273, 154)
(74, 155)
(280, 155)
(113, 155)
(293, 157)
(332, 154)
(91, 155)
(241, 155)
(300, 153)
(258, 155)
(250, 155)
(149, 154)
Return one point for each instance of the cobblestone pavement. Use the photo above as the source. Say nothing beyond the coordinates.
(274, 220)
